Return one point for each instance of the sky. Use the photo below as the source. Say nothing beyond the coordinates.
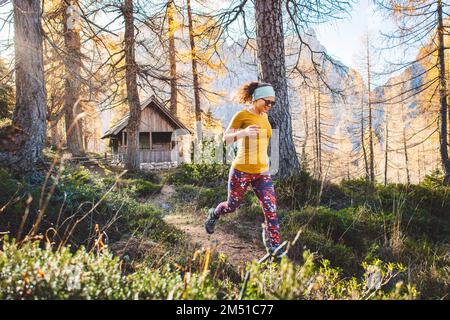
(342, 38)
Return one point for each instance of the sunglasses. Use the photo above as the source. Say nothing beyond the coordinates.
(269, 103)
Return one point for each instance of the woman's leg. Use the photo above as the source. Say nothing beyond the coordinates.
(238, 182)
(264, 190)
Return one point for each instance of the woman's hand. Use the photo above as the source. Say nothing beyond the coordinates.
(252, 131)
(232, 135)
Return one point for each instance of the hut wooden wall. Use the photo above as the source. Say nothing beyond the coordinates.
(152, 121)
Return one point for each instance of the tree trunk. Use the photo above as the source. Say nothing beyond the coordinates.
(172, 57)
(443, 98)
(306, 121)
(72, 84)
(319, 126)
(54, 127)
(316, 139)
(133, 156)
(418, 166)
(198, 115)
(369, 103)
(317, 136)
(363, 142)
(23, 147)
(272, 69)
(405, 149)
(386, 147)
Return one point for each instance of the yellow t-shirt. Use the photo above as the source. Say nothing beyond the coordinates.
(252, 151)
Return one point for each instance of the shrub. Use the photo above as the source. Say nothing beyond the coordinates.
(187, 193)
(146, 188)
(307, 281)
(138, 187)
(79, 202)
(296, 191)
(434, 180)
(201, 174)
(31, 272)
(353, 226)
(211, 197)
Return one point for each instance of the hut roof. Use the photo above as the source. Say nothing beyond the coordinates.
(122, 123)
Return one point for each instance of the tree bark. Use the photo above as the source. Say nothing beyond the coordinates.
(405, 150)
(405, 147)
(369, 102)
(72, 85)
(197, 108)
(29, 117)
(272, 69)
(319, 127)
(305, 141)
(386, 146)
(443, 98)
(133, 156)
(53, 123)
(172, 57)
(317, 136)
(363, 141)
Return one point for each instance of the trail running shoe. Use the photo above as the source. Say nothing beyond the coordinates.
(275, 250)
(210, 221)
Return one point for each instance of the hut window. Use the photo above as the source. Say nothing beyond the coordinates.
(161, 140)
(144, 140)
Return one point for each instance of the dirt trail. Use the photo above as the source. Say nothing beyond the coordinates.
(237, 250)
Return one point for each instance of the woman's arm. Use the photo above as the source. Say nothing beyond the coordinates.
(231, 135)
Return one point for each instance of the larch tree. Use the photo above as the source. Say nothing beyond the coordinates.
(423, 23)
(363, 143)
(272, 18)
(368, 64)
(366, 109)
(172, 56)
(80, 78)
(6, 92)
(272, 69)
(72, 84)
(195, 79)
(131, 71)
(21, 147)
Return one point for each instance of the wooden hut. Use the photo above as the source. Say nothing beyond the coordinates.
(155, 133)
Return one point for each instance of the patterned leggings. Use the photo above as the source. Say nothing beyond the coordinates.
(262, 185)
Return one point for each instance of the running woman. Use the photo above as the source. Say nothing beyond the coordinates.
(252, 129)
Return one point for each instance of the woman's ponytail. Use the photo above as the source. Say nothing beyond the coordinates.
(246, 91)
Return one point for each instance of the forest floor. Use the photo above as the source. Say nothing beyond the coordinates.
(239, 241)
